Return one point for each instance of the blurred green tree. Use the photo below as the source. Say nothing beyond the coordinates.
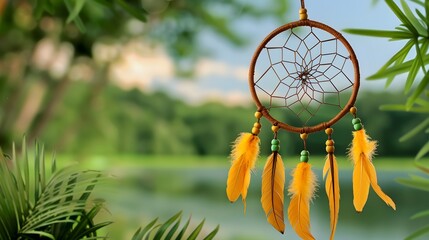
(47, 44)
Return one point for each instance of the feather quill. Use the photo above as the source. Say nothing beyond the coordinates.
(273, 181)
(244, 154)
(302, 191)
(364, 173)
(332, 187)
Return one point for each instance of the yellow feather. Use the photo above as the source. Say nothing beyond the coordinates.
(273, 181)
(370, 169)
(364, 173)
(302, 191)
(332, 187)
(244, 154)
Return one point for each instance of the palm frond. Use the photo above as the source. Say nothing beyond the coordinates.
(170, 230)
(40, 204)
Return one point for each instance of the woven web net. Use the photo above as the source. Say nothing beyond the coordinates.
(303, 76)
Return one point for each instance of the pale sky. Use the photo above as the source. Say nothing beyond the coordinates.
(223, 75)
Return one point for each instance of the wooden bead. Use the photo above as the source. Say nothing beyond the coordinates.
(329, 131)
(330, 149)
(275, 128)
(258, 115)
(353, 110)
(256, 131)
(257, 125)
(329, 142)
(303, 136)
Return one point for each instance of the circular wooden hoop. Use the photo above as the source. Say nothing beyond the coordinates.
(320, 126)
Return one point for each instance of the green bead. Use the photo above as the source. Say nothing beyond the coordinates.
(303, 159)
(357, 126)
(275, 148)
(356, 121)
(275, 142)
(305, 153)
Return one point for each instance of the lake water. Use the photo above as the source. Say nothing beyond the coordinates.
(161, 192)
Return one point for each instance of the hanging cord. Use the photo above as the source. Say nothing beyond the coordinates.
(303, 12)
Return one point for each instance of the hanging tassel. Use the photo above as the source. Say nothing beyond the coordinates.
(302, 191)
(364, 174)
(244, 154)
(332, 186)
(273, 181)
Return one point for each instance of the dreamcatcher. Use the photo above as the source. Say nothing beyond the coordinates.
(303, 77)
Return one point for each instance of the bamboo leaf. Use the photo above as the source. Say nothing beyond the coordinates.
(380, 33)
(412, 75)
(423, 151)
(418, 91)
(402, 108)
(416, 182)
(418, 233)
(420, 214)
(401, 16)
(396, 70)
(414, 21)
(416, 130)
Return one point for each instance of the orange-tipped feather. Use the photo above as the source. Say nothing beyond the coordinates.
(244, 154)
(332, 187)
(364, 173)
(302, 191)
(273, 181)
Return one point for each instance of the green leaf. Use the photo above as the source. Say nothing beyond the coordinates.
(403, 108)
(418, 233)
(380, 33)
(141, 233)
(39, 8)
(416, 130)
(166, 225)
(420, 214)
(418, 91)
(173, 230)
(416, 182)
(396, 70)
(212, 234)
(196, 231)
(182, 232)
(77, 7)
(401, 16)
(418, 2)
(77, 21)
(423, 151)
(414, 21)
(412, 75)
(138, 13)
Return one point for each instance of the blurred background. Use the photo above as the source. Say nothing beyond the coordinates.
(157, 100)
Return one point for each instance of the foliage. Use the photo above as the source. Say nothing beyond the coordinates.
(157, 231)
(38, 203)
(414, 29)
(135, 122)
(45, 48)
(420, 183)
